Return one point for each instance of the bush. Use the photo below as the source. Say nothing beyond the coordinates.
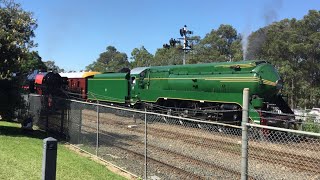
(311, 126)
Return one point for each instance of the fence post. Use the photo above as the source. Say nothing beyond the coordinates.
(61, 122)
(68, 124)
(80, 125)
(145, 145)
(244, 142)
(47, 120)
(97, 143)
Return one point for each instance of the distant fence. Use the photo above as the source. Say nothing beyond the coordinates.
(158, 146)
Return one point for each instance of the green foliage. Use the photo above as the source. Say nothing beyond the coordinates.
(169, 56)
(32, 61)
(141, 57)
(223, 44)
(311, 126)
(294, 47)
(16, 33)
(50, 65)
(111, 61)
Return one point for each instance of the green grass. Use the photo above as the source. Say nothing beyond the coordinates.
(21, 158)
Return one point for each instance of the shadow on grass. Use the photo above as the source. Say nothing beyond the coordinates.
(11, 129)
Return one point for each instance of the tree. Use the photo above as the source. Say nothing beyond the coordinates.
(16, 33)
(173, 53)
(32, 61)
(111, 60)
(168, 56)
(223, 44)
(51, 66)
(141, 57)
(293, 46)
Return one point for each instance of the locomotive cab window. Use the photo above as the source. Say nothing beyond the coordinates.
(133, 80)
(142, 74)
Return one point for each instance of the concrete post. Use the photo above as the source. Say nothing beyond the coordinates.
(49, 162)
(97, 142)
(145, 146)
(244, 142)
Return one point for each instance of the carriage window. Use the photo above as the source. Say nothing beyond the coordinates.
(78, 83)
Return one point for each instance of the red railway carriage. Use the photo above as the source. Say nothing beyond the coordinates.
(77, 83)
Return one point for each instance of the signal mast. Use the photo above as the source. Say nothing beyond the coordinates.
(184, 32)
(186, 46)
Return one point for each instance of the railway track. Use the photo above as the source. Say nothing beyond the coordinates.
(192, 162)
(298, 162)
(161, 166)
(294, 161)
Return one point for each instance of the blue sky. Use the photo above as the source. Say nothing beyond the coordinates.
(74, 32)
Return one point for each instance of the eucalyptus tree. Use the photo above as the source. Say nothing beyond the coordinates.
(293, 46)
(16, 32)
(110, 61)
(223, 44)
(141, 57)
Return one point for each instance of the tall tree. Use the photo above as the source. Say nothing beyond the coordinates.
(32, 61)
(51, 66)
(293, 46)
(111, 61)
(168, 56)
(141, 57)
(16, 33)
(223, 44)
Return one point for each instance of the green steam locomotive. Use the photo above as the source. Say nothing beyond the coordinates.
(210, 91)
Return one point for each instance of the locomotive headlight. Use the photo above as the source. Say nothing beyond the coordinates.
(279, 84)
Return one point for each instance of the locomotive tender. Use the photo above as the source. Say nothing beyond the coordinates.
(212, 91)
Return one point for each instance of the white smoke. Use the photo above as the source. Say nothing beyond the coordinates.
(245, 44)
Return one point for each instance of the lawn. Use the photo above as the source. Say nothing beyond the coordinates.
(21, 158)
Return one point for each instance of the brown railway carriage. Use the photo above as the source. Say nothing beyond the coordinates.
(77, 83)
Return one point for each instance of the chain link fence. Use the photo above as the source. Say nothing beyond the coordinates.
(159, 146)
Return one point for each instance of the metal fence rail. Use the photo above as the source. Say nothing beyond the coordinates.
(158, 146)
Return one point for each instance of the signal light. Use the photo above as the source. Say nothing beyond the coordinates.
(184, 31)
(167, 46)
(172, 42)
